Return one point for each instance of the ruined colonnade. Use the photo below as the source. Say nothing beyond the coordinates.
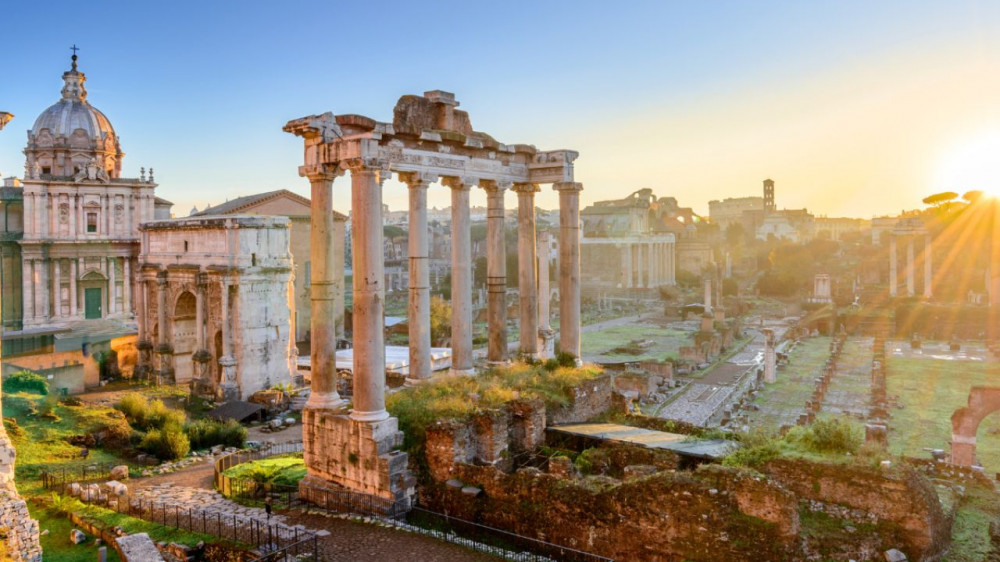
(428, 141)
(909, 270)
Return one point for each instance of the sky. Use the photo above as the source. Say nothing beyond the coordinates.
(853, 108)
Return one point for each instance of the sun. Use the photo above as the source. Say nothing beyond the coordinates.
(973, 164)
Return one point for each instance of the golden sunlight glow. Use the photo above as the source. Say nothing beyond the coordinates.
(972, 165)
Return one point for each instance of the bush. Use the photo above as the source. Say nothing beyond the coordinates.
(26, 381)
(758, 447)
(831, 436)
(167, 444)
(145, 415)
(207, 433)
(565, 359)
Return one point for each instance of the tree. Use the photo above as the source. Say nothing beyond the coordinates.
(972, 196)
(735, 234)
(440, 321)
(939, 199)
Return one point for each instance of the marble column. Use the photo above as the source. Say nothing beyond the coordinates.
(461, 276)
(199, 312)
(112, 287)
(657, 264)
(161, 310)
(545, 333)
(73, 200)
(127, 286)
(892, 264)
(527, 271)
(27, 209)
(640, 267)
(928, 268)
(28, 290)
(708, 295)
(569, 267)
(627, 251)
(57, 288)
(419, 306)
(228, 386)
(73, 298)
(496, 273)
(322, 294)
(140, 313)
(369, 294)
(910, 281)
(43, 289)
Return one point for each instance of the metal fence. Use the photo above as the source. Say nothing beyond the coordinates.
(226, 462)
(58, 480)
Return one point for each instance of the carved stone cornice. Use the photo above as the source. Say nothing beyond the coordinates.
(320, 173)
(494, 186)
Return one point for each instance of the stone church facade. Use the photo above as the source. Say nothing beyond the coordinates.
(80, 218)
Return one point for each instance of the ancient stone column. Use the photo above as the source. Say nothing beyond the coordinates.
(640, 259)
(461, 276)
(127, 286)
(569, 267)
(161, 310)
(27, 209)
(112, 287)
(74, 201)
(27, 290)
(928, 267)
(199, 312)
(56, 292)
(72, 287)
(910, 281)
(369, 293)
(708, 295)
(140, 312)
(228, 387)
(496, 273)
(43, 289)
(322, 323)
(892, 264)
(527, 271)
(627, 252)
(544, 314)
(419, 307)
(770, 356)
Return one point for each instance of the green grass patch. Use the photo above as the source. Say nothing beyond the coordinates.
(285, 470)
(970, 539)
(930, 390)
(617, 343)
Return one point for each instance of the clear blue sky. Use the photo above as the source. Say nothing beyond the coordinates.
(845, 104)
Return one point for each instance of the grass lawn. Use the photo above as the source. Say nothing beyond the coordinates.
(56, 544)
(781, 402)
(970, 538)
(286, 470)
(930, 390)
(612, 344)
(41, 443)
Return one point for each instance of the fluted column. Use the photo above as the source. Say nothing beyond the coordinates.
(43, 289)
(910, 281)
(628, 266)
(73, 201)
(27, 290)
(322, 293)
(569, 267)
(892, 264)
(928, 267)
(127, 285)
(72, 287)
(27, 209)
(419, 306)
(527, 272)
(161, 310)
(496, 272)
(461, 276)
(369, 293)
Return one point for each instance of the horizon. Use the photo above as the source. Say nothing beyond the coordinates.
(853, 110)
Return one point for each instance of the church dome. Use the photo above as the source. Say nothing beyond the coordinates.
(71, 134)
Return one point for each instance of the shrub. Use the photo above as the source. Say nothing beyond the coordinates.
(26, 381)
(831, 436)
(550, 365)
(167, 444)
(145, 415)
(565, 359)
(207, 433)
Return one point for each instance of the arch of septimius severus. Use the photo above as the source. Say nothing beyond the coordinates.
(429, 141)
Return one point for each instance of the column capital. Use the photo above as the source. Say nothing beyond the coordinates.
(202, 280)
(416, 180)
(320, 173)
(495, 185)
(459, 182)
(568, 186)
(161, 277)
(526, 188)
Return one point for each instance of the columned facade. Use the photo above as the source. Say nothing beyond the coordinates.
(496, 272)
(419, 307)
(461, 276)
(911, 234)
(527, 273)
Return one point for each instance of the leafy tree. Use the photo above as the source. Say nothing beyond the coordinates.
(972, 196)
(440, 321)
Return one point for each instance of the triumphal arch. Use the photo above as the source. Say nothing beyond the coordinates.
(428, 141)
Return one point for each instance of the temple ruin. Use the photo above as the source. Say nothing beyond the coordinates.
(429, 140)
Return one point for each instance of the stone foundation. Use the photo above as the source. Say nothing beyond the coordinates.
(16, 526)
(360, 456)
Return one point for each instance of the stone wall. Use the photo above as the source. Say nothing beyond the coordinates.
(18, 528)
(665, 516)
(587, 401)
(900, 496)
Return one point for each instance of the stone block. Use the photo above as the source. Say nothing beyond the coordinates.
(894, 555)
(76, 536)
(639, 471)
(119, 472)
(138, 548)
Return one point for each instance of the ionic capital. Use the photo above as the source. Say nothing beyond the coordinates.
(491, 186)
(320, 173)
(377, 166)
(460, 183)
(526, 188)
(417, 180)
(568, 186)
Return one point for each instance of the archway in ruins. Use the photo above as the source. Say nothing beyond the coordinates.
(983, 401)
(184, 336)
